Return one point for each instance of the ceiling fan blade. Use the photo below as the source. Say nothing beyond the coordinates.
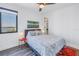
(50, 3)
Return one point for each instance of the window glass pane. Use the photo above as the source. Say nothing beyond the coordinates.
(8, 22)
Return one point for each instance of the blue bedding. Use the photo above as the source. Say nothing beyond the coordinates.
(46, 45)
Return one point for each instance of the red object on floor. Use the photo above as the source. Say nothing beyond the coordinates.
(23, 46)
(69, 52)
(66, 51)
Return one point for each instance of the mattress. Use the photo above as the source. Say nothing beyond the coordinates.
(46, 45)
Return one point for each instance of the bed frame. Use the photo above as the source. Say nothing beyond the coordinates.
(26, 32)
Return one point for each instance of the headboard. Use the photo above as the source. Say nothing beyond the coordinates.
(26, 31)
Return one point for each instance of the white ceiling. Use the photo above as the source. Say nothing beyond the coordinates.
(34, 6)
(28, 5)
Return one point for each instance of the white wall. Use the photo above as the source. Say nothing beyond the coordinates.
(65, 22)
(11, 39)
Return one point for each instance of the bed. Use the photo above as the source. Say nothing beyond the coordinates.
(44, 45)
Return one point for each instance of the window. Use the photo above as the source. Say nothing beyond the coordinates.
(8, 20)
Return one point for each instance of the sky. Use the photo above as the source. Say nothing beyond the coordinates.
(8, 20)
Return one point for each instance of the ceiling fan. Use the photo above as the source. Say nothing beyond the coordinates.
(42, 5)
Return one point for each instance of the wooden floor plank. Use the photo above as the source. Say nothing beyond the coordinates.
(16, 51)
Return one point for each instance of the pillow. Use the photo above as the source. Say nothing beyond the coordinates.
(38, 33)
(32, 33)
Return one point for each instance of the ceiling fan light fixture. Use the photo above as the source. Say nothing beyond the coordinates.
(41, 6)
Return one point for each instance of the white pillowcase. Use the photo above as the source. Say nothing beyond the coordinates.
(38, 33)
(34, 33)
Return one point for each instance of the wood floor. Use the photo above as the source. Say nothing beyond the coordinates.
(16, 51)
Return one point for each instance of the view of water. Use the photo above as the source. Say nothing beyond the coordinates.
(8, 29)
